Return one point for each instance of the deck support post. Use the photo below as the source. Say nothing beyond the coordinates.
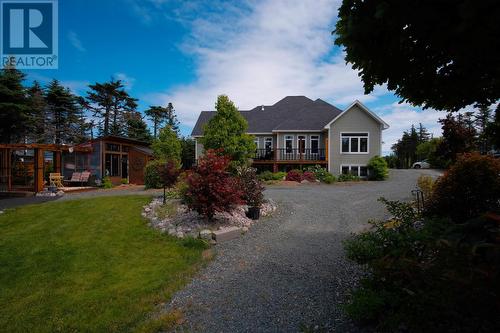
(275, 167)
(39, 166)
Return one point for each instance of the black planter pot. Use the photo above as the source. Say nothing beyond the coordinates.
(253, 213)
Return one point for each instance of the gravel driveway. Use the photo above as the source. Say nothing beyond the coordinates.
(289, 272)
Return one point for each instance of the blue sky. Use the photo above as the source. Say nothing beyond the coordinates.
(188, 52)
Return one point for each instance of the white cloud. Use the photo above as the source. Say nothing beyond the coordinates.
(75, 41)
(127, 81)
(257, 52)
(260, 52)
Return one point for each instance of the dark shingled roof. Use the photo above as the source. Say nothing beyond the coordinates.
(291, 113)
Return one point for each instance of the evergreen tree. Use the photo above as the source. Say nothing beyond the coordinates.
(423, 134)
(65, 115)
(136, 127)
(38, 114)
(109, 101)
(482, 121)
(167, 146)
(14, 109)
(160, 115)
(187, 152)
(157, 115)
(405, 149)
(171, 118)
(493, 129)
(226, 131)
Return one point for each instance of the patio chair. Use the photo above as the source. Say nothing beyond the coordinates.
(75, 178)
(84, 177)
(56, 179)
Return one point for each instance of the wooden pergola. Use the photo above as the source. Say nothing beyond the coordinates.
(39, 153)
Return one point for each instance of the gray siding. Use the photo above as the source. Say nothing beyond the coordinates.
(355, 120)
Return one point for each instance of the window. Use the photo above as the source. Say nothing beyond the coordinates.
(256, 141)
(112, 165)
(355, 170)
(354, 143)
(314, 144)
(363, 171)
(268, 144)
(125, 149)
(112, 147)
(289, 144)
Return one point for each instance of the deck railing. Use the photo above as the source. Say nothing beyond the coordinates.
(290, 154)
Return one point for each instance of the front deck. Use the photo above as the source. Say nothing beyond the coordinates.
(280, 156)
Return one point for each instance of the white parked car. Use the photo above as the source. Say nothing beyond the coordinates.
(421, 165)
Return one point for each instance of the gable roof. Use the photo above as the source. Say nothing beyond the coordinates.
(292, 113)
(362, 107)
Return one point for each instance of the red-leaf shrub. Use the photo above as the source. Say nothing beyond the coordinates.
(470, 188)
(169, 172)
(252, 187)
(211, 188)
(295, 176)
(309, 176)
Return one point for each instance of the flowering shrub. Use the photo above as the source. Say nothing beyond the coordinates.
(295, 176)
(468, 189)
(210, 187)
(252, 188)
(322, 174)
(309, 176)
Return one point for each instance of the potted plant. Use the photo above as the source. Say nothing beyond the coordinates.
(252, 191)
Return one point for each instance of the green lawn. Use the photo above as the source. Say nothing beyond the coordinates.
(87, 265)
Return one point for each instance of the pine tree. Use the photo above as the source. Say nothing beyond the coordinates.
(493, 129)
(156, 114)
(109, 101)
(226, 131)
(38, 114)
(423, 134)
(136, 127)
(65, 114)
(160, 115)
(14, 110)
(482, 120)
(171, 118)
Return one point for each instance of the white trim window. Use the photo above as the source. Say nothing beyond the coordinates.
(354, 169)
(256, 141)
(314, 144)
(289, 144)
(268, 143)
(354, 143)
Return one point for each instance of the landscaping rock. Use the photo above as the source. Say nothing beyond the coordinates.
(190, 223)
(180, 234)
(226, 234)
(206, 234)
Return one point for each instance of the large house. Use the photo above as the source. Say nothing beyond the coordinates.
(299, 131)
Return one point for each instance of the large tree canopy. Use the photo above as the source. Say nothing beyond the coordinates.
(441, 54)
